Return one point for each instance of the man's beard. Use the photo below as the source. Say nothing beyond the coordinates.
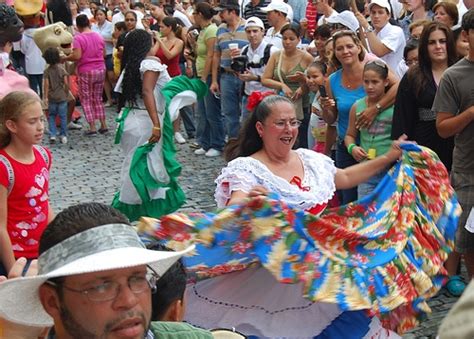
(77, 331)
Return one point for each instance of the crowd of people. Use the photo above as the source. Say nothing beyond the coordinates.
(309, 100)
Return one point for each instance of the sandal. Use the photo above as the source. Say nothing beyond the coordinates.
(103, 130)
(455, 285)
(90, 133)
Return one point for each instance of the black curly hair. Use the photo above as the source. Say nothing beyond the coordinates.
(135, 48)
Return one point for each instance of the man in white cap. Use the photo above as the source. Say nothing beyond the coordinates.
(278, 15)
(95, 278)
(257, 52)
(225, 81)
(383, 39)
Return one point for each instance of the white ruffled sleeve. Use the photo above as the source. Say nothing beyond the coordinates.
(320, 174)
(233, 178)
(152, 64)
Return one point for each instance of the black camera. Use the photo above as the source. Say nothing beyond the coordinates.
(239, 64)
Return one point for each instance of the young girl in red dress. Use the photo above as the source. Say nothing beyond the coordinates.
(24, 178)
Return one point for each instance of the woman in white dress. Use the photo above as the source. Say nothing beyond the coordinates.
(252, 301)
(143, 106)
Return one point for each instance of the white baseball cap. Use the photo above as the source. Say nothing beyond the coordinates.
(276, 5)
(381, 3)
(346, 18)
(254, 22)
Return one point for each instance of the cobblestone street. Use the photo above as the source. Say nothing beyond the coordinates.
(87, 169)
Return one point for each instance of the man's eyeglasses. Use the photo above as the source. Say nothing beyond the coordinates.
(109, 290)
(281, 124)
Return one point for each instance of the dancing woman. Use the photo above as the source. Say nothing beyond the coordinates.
(149, 172)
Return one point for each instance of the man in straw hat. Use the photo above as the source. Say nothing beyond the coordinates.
(95, 278)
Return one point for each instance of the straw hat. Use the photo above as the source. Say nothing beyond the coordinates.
(28, 7)
(102, 248)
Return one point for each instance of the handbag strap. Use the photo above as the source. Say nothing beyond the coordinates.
(279, 67)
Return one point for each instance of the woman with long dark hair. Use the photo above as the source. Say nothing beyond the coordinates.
(413, 114)
(169, 51)
(143, 105)
(281, 74)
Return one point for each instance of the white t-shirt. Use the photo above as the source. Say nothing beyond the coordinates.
(120, 17)
(394, 39)
(462, 9)
(87, 11)
(274, 38)
(397, 8)
(322, 19)
(34, 62)
(181, 16)
(255, 56)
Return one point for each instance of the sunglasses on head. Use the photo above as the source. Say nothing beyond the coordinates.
(379, 63)
(346, 32)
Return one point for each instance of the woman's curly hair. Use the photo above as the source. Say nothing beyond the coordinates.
(135, 48)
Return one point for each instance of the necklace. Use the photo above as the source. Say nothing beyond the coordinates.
(346, 82)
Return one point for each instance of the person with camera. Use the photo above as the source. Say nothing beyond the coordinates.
(230, 40)
(251, 64)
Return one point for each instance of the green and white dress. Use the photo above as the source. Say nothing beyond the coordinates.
(149, 185)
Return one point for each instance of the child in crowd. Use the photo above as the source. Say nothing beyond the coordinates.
(316, 77)
(24, 178)
(376, 140)
(167, 301)
(119, 28)
(55, 94)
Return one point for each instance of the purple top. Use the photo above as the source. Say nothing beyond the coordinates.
(92, 48)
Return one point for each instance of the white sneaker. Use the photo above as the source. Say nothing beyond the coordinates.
(200, 151)
(73, 125)
(63, 139)
(213, 153)
(179, 138)
(52, 139)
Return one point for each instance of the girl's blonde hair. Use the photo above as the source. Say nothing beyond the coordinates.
(11, 108)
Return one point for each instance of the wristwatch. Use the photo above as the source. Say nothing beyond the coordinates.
(378, 107)
(369, 29)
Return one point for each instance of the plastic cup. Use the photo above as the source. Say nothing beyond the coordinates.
(233, 46)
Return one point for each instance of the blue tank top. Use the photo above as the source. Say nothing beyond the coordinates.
(345, 98)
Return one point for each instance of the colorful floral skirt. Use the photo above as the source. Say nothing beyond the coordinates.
(383, 254)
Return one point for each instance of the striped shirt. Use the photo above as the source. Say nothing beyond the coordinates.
(250, 11)
(225, 37)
